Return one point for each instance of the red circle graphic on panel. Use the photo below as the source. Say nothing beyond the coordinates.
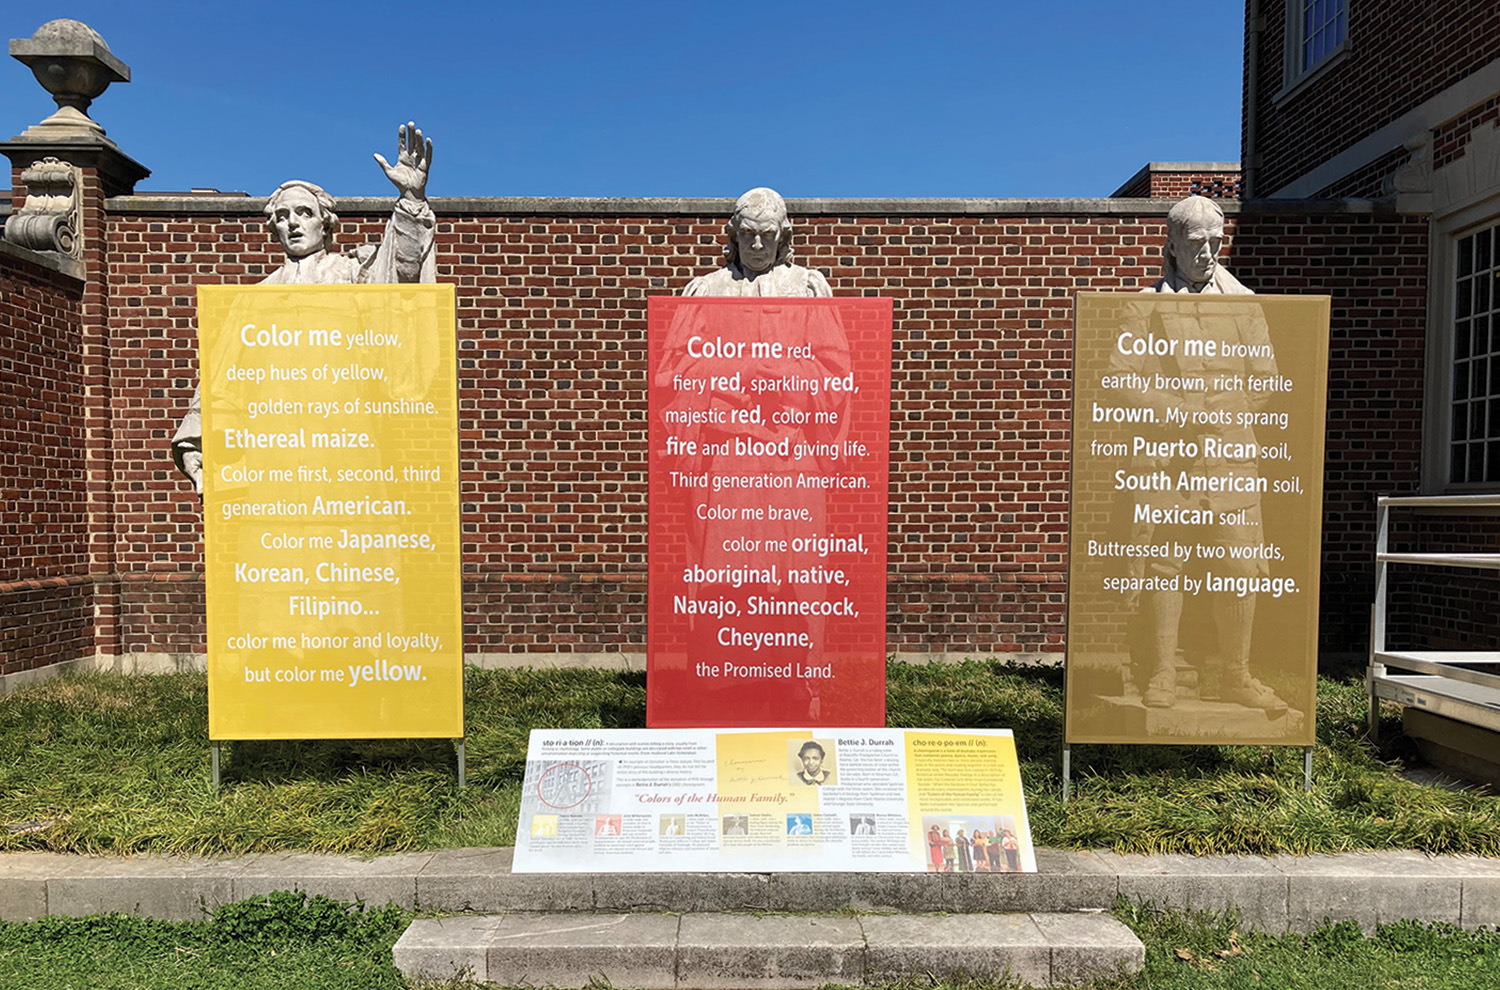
(565, 785)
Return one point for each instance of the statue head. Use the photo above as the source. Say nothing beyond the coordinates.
(301, 216)
(1195, 231)
(760, 235)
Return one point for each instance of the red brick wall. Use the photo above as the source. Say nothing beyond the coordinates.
(1402, 52)
(1376, 271)
(1179, 185)
(46, 607)
(1176, 184)
(1368, 181)
(552, 322)
(1451, 139)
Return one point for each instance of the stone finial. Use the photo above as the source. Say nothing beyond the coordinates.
(49, 219)
(74, 64)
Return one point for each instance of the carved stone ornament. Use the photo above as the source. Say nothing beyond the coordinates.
(49, 220)
(1415, 176)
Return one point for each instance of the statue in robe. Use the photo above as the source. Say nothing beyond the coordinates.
(301, 216)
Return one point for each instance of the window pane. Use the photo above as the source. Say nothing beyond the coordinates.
(1474, 440)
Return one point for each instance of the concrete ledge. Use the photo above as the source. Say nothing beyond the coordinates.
(447, 948)
(1372, 889)
(1250, 884)
(629, 950)
(755, 952)
(152, 887)
(907, 946)
(545, 206)
(1274, 894)
(124, 663)
(480, 880)
(752, 952)
(1087, 946)
(376, 882)
(51, 261)
(612, 660)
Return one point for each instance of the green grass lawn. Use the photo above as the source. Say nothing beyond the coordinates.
(272, 943)
(287, 940)
(106, 763)
(1198, 952)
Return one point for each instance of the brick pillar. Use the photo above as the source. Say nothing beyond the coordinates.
(105, 171)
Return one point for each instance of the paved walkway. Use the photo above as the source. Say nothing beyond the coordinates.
(1277, 894)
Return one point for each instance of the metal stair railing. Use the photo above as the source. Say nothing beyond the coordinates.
(1445, 682)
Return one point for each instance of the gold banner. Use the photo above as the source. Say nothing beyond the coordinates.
(331, 511)
(1197, 509)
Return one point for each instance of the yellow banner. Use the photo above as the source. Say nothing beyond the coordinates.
(1196, 521)
(331, 511)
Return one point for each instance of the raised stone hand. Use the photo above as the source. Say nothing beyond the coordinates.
(413, 159)
(192, 466)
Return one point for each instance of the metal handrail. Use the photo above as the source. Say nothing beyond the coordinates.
(1486, 561)
(1464, 501)
(1383, 559)
(1440, 668)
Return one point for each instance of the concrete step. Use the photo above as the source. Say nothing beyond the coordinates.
(1272, 894)
(765, 952)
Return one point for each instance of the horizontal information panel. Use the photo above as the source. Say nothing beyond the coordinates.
(773, 800)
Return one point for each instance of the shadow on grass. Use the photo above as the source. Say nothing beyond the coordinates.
(280, 761)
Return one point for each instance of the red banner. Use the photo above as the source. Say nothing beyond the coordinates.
(770, 456)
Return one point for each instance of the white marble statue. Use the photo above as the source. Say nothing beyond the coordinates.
(301, 216)
(758, 264)
(1190, 257)
(1190, 263)
(759, 254)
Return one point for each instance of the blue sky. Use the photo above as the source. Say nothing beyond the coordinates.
(660, 98)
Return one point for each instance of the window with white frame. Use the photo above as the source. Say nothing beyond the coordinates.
(1474, 438)
(1316, 30)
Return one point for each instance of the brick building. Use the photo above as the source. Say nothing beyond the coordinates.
(1398, 102)
(101, 540)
